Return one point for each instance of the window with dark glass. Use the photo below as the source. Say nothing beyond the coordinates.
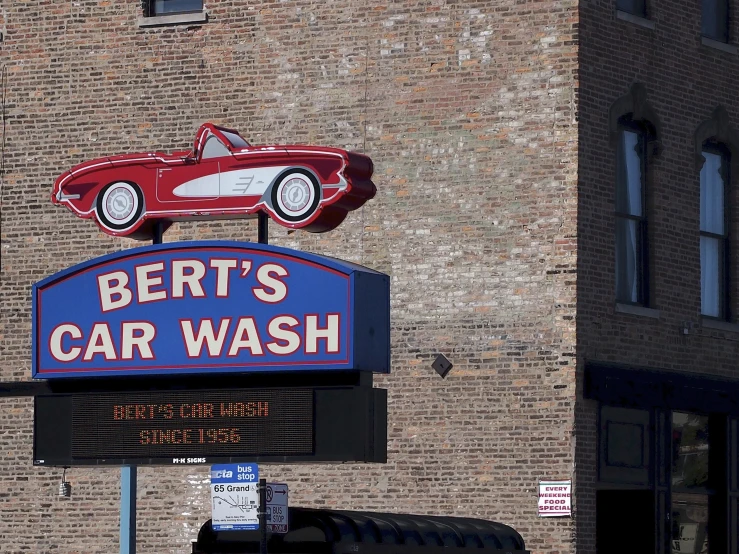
(625, 437)
(714, 233)
(697, 484)
(634, 7)
(668, 465)
(632, 284)
(715, 20)
(170, 7)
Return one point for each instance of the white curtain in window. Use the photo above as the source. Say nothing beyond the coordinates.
(710, 264)
(712, 195)
(628, 202)
(626, 260)
(712, 221)
(629, 194)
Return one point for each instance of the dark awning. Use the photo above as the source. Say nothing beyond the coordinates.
(654, 388)
(350, 532)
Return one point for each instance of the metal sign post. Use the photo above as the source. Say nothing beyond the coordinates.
(128, 510)
(262, 516)
(129, 474)
(263, 228)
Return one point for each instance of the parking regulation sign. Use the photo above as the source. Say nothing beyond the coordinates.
(234, 493)
(277, 514)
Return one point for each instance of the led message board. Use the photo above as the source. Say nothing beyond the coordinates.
(210, 307)
(288, 425)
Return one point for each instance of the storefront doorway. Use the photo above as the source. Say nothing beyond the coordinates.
(624, 521)
(667, 463)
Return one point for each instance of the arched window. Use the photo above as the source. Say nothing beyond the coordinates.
(716, 144)
(634, 135)
(714, 178)
(631, 222)
(716, 148)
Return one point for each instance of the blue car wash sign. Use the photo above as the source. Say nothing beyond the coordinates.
(210, 307)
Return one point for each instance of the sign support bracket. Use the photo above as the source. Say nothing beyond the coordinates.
(263, 228)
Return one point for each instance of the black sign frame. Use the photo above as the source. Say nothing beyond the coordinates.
(349, 424)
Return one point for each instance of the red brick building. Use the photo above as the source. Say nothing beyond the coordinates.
(555, 210)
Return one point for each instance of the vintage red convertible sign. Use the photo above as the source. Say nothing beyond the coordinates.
(306, 187)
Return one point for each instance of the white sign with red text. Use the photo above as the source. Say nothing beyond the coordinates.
(555, 498)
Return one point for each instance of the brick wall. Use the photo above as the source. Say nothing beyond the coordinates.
(685, 81)
(467, 109)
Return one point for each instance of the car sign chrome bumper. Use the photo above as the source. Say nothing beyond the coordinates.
(61, 196)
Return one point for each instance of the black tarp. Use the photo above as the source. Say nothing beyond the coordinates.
(317, 531)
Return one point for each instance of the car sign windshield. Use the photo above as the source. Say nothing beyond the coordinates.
(235, 140)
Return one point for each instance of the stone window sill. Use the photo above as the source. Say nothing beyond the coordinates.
(637, 310)
(718, 45)
(174, 19)
(720, 325)
(635, 19)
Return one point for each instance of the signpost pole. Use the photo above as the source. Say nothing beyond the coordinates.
(158, 232)
(128, 473)
(262, 515)
(262, 228)
(128, 510)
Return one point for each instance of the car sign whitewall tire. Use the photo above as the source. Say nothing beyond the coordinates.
(296, 195)
(119, 205)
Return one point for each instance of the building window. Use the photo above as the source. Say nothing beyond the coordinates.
(715, 20)
(170, 7)
(634, 7)
(714, 233)
(697, 484)
(632, 283)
